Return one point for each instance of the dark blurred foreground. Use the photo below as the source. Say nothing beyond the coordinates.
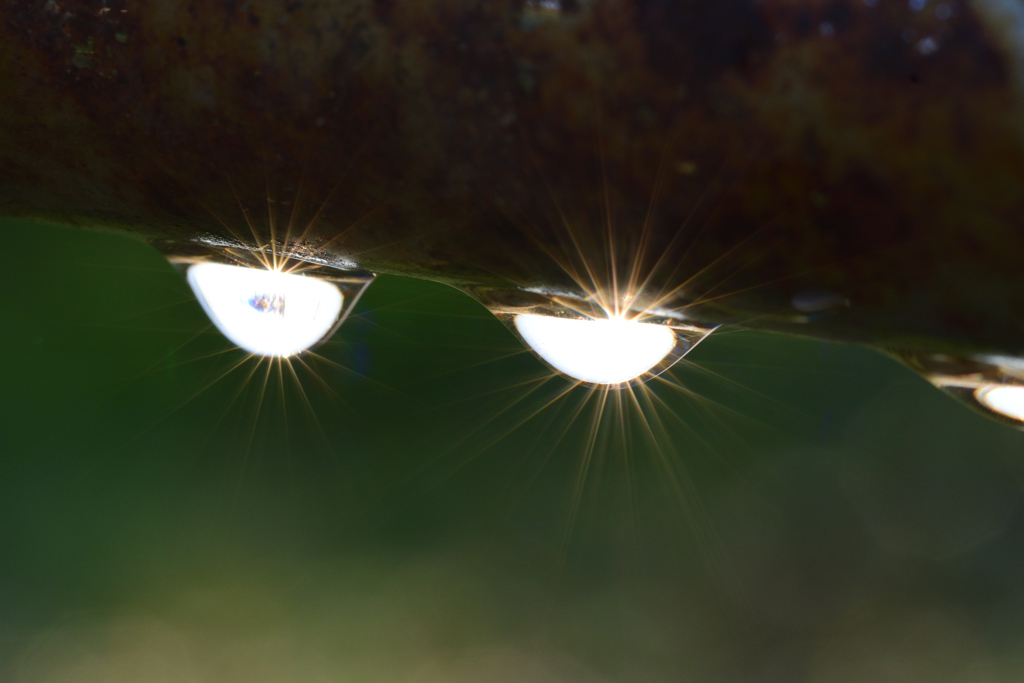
(819, 514)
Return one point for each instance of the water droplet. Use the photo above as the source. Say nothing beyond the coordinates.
(580, 340)
(992, 385)
(1005, 399)
(596, 351)
(267, 311)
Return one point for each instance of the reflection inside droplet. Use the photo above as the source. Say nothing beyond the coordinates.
(266, 312)
(1006, 400)
(597, 351)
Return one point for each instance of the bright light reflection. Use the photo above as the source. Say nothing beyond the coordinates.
(263, 311)
(597, 351)
(1003, 399)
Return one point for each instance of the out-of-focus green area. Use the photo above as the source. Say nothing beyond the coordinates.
(405, 508)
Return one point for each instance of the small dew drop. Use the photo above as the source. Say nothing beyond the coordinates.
(943, 12)
(266, 312)
(597, 351)
(826, 29)
(992, 385)
(917, 5)
(1007, 400)
(592, 340)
